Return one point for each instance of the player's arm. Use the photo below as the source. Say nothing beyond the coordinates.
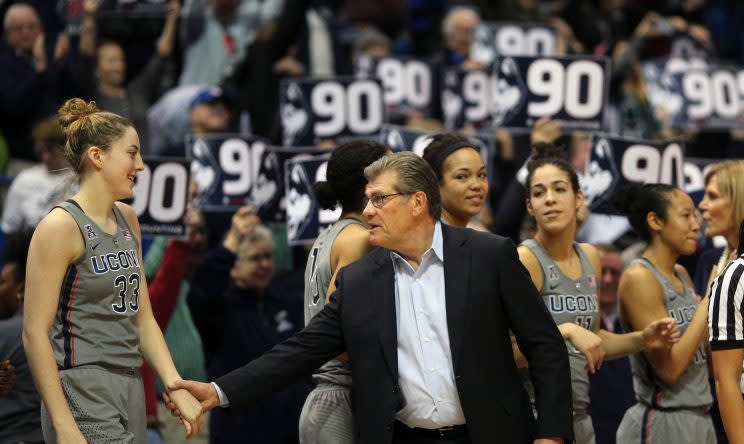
(55, 245)
(661, 332)
(153, 346)
(351, 244)
(584, 340)
(642, 301)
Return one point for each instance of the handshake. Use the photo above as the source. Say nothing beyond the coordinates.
(189, 400)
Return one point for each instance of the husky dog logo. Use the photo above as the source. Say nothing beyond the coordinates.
(299, 202)
(664, 86)
(601, 173)
(294, 115)
(483, 49)
(204, 169)
(419, 145)
(265, 187)
(394, 139)
(509, 91)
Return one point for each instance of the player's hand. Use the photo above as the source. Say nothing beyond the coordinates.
(204, 392)
(7, 377)
(590, 345)
(661, 334)
(190, 410)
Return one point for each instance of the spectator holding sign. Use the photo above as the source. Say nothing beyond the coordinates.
(239, 317)
(104, 69)
(566, 273)
(463, 180)
(33, 80)
(88, 322)
(326, 417)
(671, 386)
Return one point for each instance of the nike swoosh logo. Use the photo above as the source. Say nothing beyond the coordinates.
(553, 287)
(93, 247)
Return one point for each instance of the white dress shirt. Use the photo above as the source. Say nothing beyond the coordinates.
(425, 370)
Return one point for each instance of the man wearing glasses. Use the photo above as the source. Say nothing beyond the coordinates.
(425, 319)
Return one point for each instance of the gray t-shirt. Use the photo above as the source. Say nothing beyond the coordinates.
(568, 300)
(318, 274)
(692, 390)
(20, 410)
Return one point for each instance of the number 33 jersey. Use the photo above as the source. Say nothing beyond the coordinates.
(95, 323)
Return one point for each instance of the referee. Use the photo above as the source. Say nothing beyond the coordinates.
(726, 325)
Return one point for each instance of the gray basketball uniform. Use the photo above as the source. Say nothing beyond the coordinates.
(326, 417)
(570, 300)
(669, 414)
(95, 338)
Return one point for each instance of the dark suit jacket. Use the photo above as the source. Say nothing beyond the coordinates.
(488, 292)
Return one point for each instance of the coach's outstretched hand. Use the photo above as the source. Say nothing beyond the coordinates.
(189, 409)
(204, 392)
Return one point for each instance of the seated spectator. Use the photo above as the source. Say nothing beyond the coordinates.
(239, 319)
(103, 67)
(216, 33)
(20, 407)
(36, 190)
(33, 79)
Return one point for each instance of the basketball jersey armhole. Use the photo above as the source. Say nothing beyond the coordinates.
(80, 229)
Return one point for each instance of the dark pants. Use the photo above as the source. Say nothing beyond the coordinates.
(397, 440)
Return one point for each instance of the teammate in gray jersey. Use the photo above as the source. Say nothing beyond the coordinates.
(326, 416)
(671, 386)
(87, 319)
(565, 273)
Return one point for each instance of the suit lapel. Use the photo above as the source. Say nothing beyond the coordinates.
(456, 287)
(382, 292)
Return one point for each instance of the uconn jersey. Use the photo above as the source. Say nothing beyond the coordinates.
(95, 323)
(692, 389)
(318, 274)
(568, 300)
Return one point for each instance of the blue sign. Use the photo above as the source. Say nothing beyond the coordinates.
(160, 195)
(615, 162)
(313, 110)
(407, 82)
(305, 218)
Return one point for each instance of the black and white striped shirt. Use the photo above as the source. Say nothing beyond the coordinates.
(726, 308)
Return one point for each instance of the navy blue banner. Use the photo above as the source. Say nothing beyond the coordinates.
(225, 168)
(494, 39)
(408, 82)
(517, 91)
(305, 219)
(615, 162)
(160, 196)
(313, 110)
(696, 95)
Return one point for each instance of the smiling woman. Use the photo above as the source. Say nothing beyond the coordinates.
(87, 320)
(463, 181)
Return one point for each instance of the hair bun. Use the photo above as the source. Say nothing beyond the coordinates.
(74, 110)
(325, 195)
(624, 198)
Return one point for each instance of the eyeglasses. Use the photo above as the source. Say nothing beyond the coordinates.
(380, 200)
